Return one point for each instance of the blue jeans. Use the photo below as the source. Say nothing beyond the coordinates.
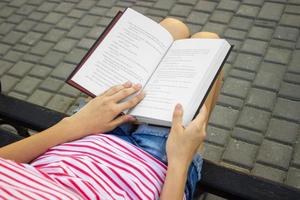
(152, 139)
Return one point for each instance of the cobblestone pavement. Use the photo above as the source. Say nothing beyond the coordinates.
(254, 127)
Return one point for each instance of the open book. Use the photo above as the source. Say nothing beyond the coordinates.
(136, 48)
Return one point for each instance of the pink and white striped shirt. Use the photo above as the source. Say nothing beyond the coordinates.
(95, 167)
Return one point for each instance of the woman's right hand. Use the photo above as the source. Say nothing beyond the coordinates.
(183, 143)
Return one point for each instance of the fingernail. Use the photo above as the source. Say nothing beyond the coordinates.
(178, 106)
(138, 86)
(128, 84)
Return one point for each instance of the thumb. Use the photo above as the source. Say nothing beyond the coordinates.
(177, 116)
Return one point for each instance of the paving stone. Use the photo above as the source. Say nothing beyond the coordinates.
(282, 131)
(235, 34)
(47, 7)
(249, 136)
(290, 91)
(241, 23)
(212, 152)
(89, 20)
(77, 32)
(248, 11)
(51, 84)
(13, 37)
(62, 71)
(235, 43)
(226, 68)
(66, 23)
(221, 16)
(27, 85)
(290, 20)
(21, 47)
(278, 55)
(36, 15)
(31, 38)
(254, 119)
(292, 78)
(4, 48)
(64, 7)
(16, 19)
(236, 87)
(217, 136)
(287, 109)
(224, 117)
(40, 71)
(31, 58)
(52, 58)
(293, 177)
(271, 11)
(262, 33)
(254, 46)
(41, 48)
(269, 173)
(60, 103)
(25, 9)
(292, 9)
(235, 167)
(13, 55)
(76, 13)
(241, 74)
(17, 95)
(206, 6)
(262, 99)
(100, 11)
(25, 25)
(5, 28)
(240, 153)
(7, 11)
(296, 156)
(53, 18)
(269, 76)
(197, 17)
(286, 33)
(54, 35)
(282, 44)
(214, 27)
(104, 21)
(228, 101)
(275, 154)
(20, 68)
(294, 65)
(75, 56)
(106, 3)
(42, 27)
(8, 82)
(228, 5)
(69, 91)
(157, 12)
(86, 4)
(86, 43)
(181, 10)
(5, 65)
(40, 97)
(247, 62)
(65, 45)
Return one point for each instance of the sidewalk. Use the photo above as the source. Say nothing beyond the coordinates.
(255, 126)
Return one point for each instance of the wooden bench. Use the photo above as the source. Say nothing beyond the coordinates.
(216, 179)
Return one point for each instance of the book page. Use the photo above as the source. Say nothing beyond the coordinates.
(179, 77)
(130, 52)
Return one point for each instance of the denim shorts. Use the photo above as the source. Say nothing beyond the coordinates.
(152, 139)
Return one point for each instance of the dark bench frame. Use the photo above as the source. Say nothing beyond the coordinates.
(216, 179)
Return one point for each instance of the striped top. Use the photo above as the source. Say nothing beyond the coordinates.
(95, 167)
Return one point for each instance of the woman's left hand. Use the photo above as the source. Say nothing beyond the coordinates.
(102, 113)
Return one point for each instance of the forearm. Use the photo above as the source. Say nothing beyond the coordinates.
(175, 181)
(29, 148)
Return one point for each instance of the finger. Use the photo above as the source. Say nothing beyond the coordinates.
(132, 102)
(177, 116)
(202, 116)
(122, 119)
(116, 89)
(126, 92)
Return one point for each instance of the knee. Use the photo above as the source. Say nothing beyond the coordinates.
(177, 28)
(208, 35)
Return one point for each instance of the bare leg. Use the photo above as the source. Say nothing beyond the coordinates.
(176, 27)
